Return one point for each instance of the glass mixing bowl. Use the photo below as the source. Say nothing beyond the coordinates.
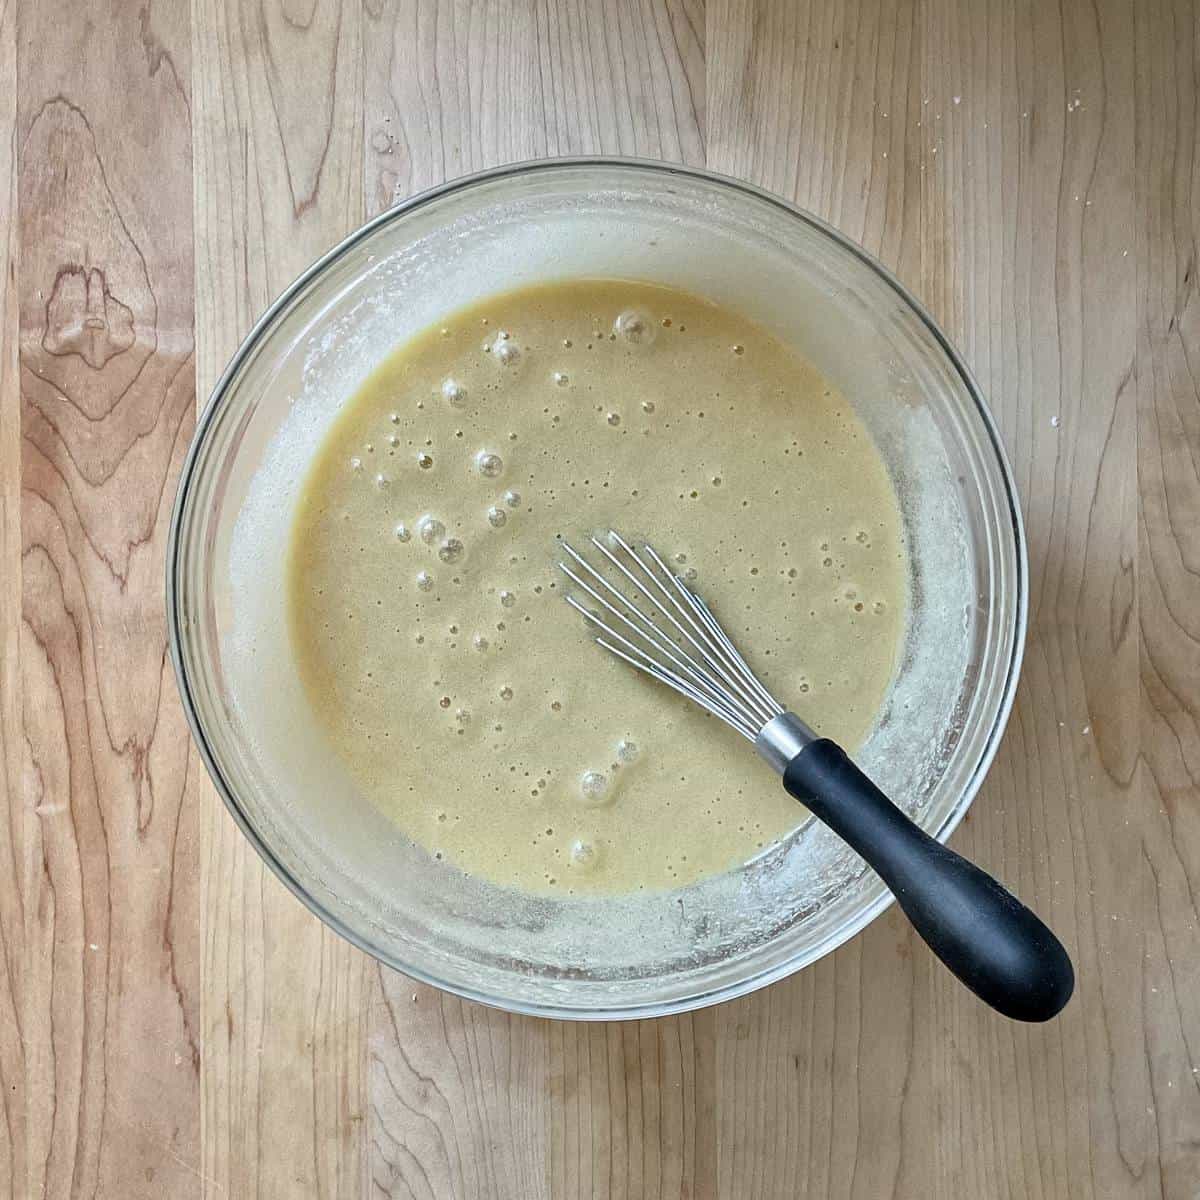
(647, 954)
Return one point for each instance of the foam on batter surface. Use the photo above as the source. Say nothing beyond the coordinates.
(426, 611)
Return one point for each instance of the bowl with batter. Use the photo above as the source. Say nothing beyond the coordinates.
(368, 625)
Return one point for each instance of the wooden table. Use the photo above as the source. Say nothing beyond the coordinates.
(172, 1023)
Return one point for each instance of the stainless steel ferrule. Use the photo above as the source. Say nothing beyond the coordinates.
(782, 738)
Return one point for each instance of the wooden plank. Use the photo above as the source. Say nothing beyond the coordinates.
(465, 1101)
(983, 152)
(632, 1108)
(105, 299)
(1029, 265)
(453, 88)
(1167, 40)
(818, 103)
(13, 1180)
(278, 179)
(454, 1095)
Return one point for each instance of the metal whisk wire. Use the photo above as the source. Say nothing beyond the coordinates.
(678, 641)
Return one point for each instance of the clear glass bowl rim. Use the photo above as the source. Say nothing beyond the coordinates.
(175, 550)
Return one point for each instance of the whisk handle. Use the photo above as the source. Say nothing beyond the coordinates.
(994, 944)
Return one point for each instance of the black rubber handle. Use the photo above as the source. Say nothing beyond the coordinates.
(983, 933)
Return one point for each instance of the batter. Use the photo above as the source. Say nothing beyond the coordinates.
(426, 611)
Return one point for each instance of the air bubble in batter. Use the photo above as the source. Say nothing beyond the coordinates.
(488, 463)
(429, 529)
(627, 751)
(635, 327)
(583, 854)
(594, 787)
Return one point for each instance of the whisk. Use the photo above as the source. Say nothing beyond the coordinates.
(648, 616)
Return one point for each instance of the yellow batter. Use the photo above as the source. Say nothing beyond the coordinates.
(465, 696)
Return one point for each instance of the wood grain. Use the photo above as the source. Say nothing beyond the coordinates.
(453, 88)
(278, 179)
(1167, 38)
(105, 309)
(1031, 172)
(12, 810)
(819, 103)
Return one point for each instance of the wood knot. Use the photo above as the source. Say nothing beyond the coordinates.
(84, 318)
